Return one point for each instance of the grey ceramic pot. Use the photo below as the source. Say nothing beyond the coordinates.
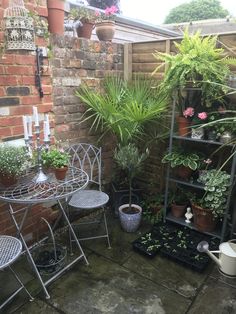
(130, 222)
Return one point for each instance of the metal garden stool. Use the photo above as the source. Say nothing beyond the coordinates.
(88, 158)
(10, 250)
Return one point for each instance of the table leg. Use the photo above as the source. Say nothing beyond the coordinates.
(72, 231)
(27, 249)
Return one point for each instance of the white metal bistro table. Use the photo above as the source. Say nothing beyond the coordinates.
(28, 193)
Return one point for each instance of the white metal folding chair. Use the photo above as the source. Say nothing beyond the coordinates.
(10, 250)
(88, 158)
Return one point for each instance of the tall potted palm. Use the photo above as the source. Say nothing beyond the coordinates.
(130, 160)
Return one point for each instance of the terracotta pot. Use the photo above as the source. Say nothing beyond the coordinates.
(183, 126)
(85, 31)
(203, 219)
(183, 172)
(60, 173)
(8, 180)
(105, 30)
(178, 210)
(56, 16)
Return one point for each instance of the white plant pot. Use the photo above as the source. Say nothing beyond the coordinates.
(130, 222)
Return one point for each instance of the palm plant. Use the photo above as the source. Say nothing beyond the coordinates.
(122, 108)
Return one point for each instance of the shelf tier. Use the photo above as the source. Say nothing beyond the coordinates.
(193, 185)
(181, 221)
(185, 138)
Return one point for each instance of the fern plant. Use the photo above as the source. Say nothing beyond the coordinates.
(199, 61)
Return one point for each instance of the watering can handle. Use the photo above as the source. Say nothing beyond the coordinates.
(232, 240)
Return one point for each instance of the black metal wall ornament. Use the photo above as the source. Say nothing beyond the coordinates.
(39, 71)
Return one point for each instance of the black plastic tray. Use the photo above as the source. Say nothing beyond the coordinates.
(176, 242)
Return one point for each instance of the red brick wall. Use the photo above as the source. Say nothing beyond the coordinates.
(17, 96)
(74, 61)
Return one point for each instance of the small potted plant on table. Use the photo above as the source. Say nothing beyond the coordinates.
(57, 159)
(12, 162)
(129, 159)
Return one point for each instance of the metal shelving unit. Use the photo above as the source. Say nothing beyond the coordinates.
(220, 232)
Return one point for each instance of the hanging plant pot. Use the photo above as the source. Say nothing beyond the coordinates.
(60, 173)
(203, 219)
(85, 30)
(56, 14)
(105, 30)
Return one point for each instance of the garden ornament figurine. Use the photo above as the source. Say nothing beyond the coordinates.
(188, 215)
(227, 256)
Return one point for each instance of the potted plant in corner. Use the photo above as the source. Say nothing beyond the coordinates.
(129, 159)
(179, 202)
(209, 208)
(105, 25)
(84, 20)
(12, 162)
(57, 159)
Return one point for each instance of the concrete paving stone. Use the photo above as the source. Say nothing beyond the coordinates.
(105, 287)
(215, 297)
(175, 277)
(224, 279)
(37, 306)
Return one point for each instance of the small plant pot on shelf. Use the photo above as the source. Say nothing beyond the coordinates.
(203, 219)
(183, 172)
(183, 126)
(178, 210)
(130, 219)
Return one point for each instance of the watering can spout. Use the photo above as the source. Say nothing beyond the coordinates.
(203, 247)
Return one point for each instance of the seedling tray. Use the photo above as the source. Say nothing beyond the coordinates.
(177, 243)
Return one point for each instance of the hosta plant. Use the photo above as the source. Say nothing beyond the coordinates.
(175, 158)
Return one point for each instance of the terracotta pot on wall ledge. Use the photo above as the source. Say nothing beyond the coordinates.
(105, 30)
(56, 14)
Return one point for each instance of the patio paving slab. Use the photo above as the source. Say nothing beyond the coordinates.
(175, 277)
(106, 287)
(215, 297)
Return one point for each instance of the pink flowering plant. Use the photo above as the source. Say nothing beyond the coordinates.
(108, 14)
(196, 118)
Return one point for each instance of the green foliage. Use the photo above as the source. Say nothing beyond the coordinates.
(55, 158)
(130, 160)
(12, 160)
(216, 184)
(83, 14)
(180, 197)
(153, 208)
(196, 10)
(176, 158)
(198, 62)
(124, 109)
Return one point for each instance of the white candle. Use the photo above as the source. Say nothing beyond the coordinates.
(48, 124)
(30, 125)
(36, 116)
(45, 131)
(25, 128)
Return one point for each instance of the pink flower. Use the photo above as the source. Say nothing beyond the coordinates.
(189, 112)
(202, 115)
(97, 13)
(207, 161)
(111, 10)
